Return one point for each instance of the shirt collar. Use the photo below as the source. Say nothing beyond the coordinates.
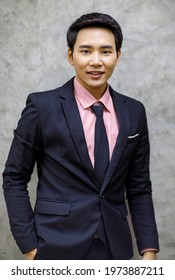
(86, 99)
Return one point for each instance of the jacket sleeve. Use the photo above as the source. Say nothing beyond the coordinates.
(23, 154)
(139, 191)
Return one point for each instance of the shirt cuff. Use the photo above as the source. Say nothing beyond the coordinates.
(149, 250)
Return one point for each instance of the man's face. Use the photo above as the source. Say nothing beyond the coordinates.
(94, 58)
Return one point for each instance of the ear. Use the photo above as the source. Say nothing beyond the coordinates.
(118, 56)
(70, 56)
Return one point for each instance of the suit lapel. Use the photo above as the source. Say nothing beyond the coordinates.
(74, 123)
(122, 112)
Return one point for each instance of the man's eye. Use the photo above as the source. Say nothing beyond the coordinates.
(106, 51)
(85, 51)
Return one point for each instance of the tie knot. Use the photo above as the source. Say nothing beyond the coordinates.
(98, 109)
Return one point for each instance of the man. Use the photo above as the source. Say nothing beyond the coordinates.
(80, 210)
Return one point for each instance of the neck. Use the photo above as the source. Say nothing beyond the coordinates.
(97, 92)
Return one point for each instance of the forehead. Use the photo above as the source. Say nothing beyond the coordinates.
(94, 35)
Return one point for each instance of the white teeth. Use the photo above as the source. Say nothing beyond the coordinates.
(95, 73)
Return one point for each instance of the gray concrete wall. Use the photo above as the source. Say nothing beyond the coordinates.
(33, 57)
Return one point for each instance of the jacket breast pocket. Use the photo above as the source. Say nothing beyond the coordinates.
(53, 207)
(133, 138)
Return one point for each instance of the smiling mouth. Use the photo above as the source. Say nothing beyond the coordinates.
(95, 74)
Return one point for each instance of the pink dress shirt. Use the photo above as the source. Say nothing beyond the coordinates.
(84, 101)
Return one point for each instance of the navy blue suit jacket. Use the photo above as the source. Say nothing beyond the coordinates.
(69, 202)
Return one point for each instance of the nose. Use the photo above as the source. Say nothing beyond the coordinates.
(95, 59)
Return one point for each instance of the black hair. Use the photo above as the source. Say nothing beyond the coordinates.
(94, 20)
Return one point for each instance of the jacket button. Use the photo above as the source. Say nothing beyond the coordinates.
(103, 196)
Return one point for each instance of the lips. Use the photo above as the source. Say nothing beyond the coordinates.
(95, 74)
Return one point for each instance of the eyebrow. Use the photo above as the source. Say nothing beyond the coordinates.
(102, 47)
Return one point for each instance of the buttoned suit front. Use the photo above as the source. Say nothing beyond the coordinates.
(69, 202)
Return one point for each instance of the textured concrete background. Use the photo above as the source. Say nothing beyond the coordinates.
(33, 57)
